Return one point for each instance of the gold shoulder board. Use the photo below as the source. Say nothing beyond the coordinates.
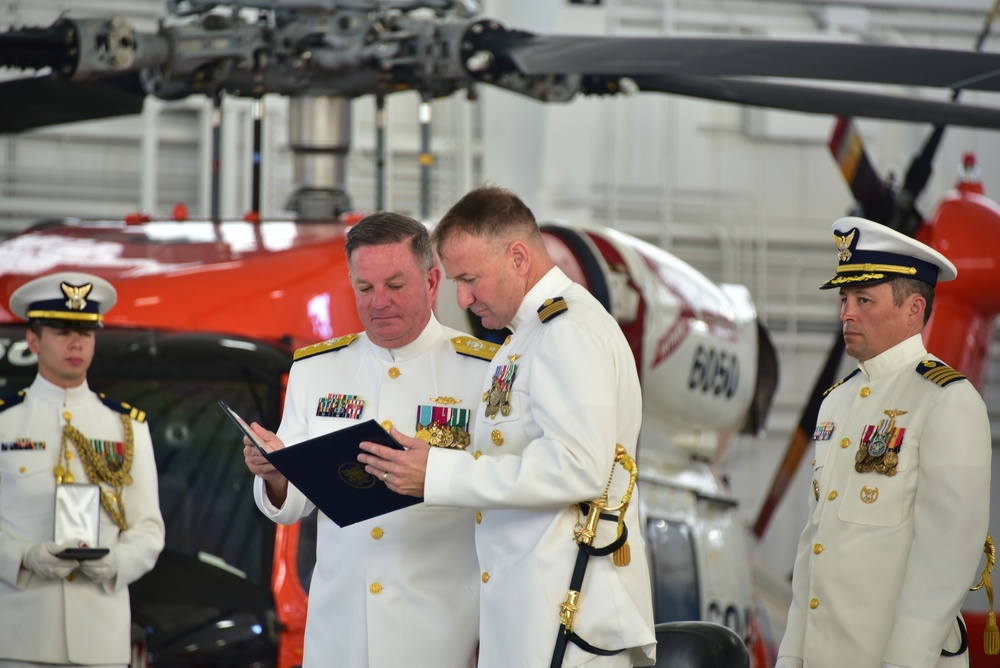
(324, 347)
(551, 308)
(840, 382)
(938, 373)
(122, 407)
(473, 347)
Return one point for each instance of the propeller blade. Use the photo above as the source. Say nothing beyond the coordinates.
(48, 100)
(876, 199)
(726, 56)
(801, 438)
(811, 99)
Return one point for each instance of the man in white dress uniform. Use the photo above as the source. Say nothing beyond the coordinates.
(401, 589)
(900, 494)
(58, 433)
(560, 394)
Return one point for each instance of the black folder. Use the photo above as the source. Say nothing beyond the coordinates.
(326, 469)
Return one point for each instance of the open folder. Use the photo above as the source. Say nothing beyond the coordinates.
(326, 469)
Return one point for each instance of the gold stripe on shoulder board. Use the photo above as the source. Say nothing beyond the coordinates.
(551, 308)
(324, 346)
(938, 373)
(473, 347)
(136, 414)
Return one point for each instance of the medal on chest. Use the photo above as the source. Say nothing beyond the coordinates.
(498, 396)
(443, 426)
(107, 462)
(880, 444)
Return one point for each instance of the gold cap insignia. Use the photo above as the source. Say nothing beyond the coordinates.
(844, 245)
(76, 296)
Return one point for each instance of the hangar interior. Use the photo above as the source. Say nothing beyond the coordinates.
(745, 195)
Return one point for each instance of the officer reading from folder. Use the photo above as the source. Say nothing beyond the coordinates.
(78, 479)
(559, 404)
(400, 589)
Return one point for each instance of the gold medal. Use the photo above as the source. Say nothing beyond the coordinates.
(891, 459)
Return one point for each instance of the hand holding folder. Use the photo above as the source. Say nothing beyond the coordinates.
(326, 469)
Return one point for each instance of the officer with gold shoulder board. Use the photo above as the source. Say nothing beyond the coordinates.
(900, 493)
(400, 589)
(79, 504)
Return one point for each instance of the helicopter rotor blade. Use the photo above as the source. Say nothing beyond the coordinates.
(817, 100)
(52, 101)
(727, 57)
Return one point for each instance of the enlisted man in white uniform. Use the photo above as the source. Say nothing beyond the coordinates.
(401, 589)
(57, 611)
(900, 494)
(560, 394)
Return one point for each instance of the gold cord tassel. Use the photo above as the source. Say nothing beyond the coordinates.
(623, 555)
(99, 471)
(991, 637)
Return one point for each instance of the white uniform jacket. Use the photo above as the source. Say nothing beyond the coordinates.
(72, 620)
(574, 395)
(401, 589)
(884, 563)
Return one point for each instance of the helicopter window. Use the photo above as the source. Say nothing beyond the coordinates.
(674, 571)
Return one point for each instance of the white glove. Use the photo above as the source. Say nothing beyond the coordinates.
(41, 560)
(100, 570)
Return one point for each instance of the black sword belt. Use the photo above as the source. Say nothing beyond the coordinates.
(596, 511)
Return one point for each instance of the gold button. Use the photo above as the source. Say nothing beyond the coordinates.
(376, 588)
(865, 392)
(832, 495)
(479, 517)
(478, 454)
(69, 578)
(377, 533)
(507, 340)
(387, 424)
(497, 437)
(845, 442)
(814, 603)
(817, 548)
(813, 463)
(486, 577)
(67, 416)
(23, 469)
(393, 372)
